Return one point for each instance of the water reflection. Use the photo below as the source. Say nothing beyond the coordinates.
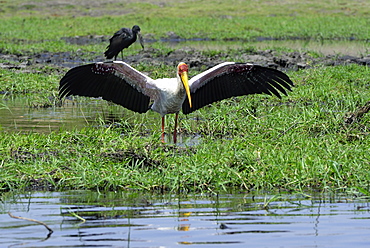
(132, 219)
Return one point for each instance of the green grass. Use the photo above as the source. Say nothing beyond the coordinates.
(186, 8)
(249, 143)
(35, 29)
(28, 83)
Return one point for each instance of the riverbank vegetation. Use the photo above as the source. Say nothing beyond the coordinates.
(258, 142)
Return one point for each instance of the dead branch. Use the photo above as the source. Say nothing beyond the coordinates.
(38, 222)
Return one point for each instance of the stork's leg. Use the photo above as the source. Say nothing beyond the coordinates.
(163, 129)
(175, 131)
(122, 55)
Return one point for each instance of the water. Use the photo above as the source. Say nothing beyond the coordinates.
(16, 114)
(132, 219)
(324, 47)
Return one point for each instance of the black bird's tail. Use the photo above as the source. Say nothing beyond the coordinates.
(109, 54)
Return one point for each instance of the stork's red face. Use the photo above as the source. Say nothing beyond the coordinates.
(182, 67)
(182, 70)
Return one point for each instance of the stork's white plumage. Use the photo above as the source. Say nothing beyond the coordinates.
(118, 82)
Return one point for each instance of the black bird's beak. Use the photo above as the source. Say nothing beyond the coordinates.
(141, 40)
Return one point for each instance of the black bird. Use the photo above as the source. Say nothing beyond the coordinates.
(122, 39)
(118, 82)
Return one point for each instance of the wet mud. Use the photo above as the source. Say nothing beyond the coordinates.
(195, 58)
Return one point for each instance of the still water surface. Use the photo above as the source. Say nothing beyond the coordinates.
(17, 114)
(132, 219)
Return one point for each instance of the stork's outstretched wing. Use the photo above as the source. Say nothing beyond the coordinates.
(113, 81)
(234, 79)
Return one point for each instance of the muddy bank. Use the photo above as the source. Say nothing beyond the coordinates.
(195, 58)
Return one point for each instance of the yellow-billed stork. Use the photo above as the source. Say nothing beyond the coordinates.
(118, 82)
